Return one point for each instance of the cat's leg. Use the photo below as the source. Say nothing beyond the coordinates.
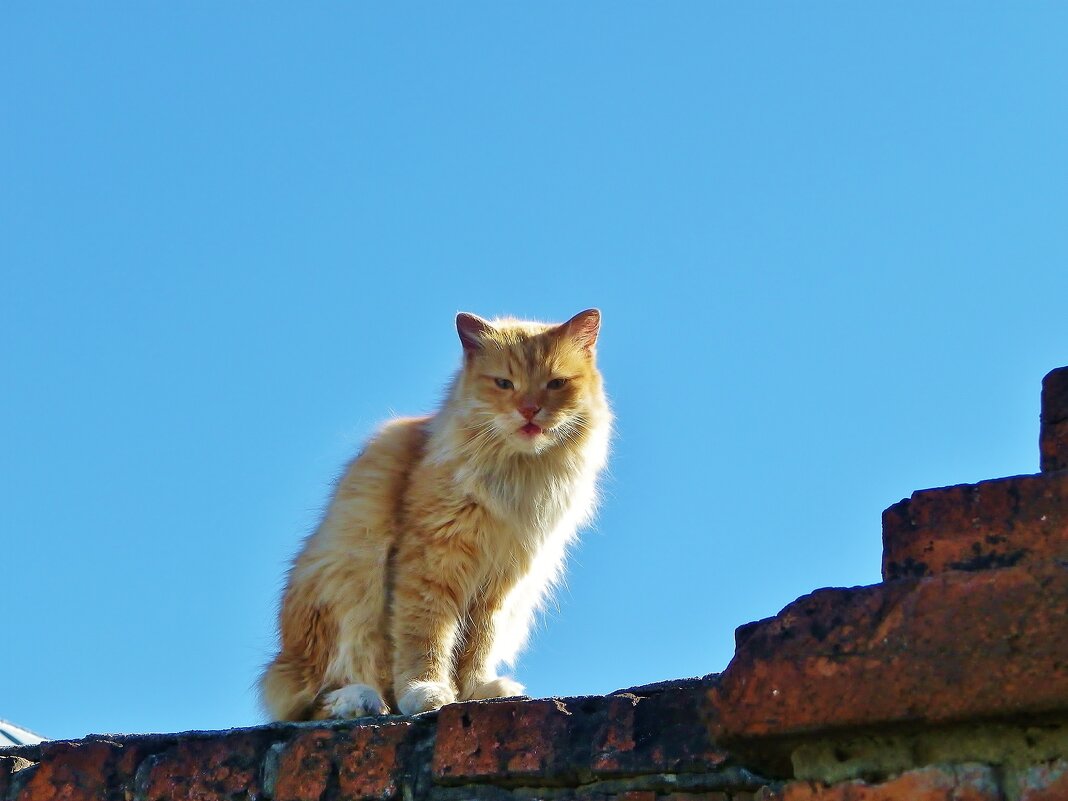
(435, 578)
(357, 675)
(476, 676)
(360, 692)
(499, 631)
(353, 701)
(287, 693)
(424, 636)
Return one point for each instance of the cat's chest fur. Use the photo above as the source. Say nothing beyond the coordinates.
(523, 498)
(519, 498)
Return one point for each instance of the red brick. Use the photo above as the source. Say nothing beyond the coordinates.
(945, 648)
(88, 770)
(208, 769)
(1053, 446)
(593, 794)
(1045, 782)
(1000, 523)
(503, 739)
(614, 743)
(370, 761)
(661, 733)
(1053, 437)
(7, 766)
(366, 761)
(598, 794)
(304, 766)
(935, 783)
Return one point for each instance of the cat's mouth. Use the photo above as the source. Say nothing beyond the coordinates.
(530, 430)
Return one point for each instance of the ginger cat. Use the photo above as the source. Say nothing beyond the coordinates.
(445, 534)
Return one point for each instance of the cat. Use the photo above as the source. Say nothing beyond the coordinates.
(446, 532)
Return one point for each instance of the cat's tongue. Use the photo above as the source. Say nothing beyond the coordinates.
(531, 429)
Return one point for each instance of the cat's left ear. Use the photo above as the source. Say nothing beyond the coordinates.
(583, 328)
(472, 329)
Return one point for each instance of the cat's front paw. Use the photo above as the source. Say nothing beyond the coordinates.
(354, 701)
(425, 696)
(499, 687)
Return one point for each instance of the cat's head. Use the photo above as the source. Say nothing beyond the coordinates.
(530, 386)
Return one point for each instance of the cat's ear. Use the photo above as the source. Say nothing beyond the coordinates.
(472, 329)
(583, 328)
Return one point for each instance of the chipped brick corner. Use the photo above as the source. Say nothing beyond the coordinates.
(947, 681)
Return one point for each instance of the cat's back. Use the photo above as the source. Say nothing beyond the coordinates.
(372, 487)
(386, 459)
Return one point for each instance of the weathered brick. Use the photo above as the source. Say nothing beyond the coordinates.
(1047, 782)
(501, 740)
(217, 768)
(614, 741)
(662, 733)
(935, 783)
(305, 765)
(86, 770)
(1053, 436)
(7, 765)
(933, 650)
(595, 794)
(1053, 446)
(1000, 523)
(364, 762)
(6, 768)
(371, 761)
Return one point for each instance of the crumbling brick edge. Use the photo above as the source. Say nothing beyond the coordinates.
(649, 741)
(644, 744)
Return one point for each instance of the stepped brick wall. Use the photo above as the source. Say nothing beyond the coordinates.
(947, 681)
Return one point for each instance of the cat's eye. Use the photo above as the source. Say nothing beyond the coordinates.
(557, 383)
(503, 383)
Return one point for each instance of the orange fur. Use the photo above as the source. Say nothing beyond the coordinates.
(445, 534)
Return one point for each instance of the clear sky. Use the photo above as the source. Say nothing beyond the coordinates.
(829, 242)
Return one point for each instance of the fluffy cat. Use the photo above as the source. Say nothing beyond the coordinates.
(445, 534)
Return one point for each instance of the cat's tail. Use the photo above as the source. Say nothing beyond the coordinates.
(285, 692)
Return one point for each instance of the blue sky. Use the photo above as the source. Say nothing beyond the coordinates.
(828, 242)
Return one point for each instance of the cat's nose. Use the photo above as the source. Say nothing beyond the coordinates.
(528, 410)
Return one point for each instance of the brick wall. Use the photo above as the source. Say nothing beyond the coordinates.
(635, 746)
(948, 681)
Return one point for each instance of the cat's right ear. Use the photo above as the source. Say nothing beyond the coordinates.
(472, 330)
(583, 328)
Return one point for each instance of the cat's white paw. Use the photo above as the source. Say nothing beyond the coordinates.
(500, 687)
(425, 696)
(354, 701)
